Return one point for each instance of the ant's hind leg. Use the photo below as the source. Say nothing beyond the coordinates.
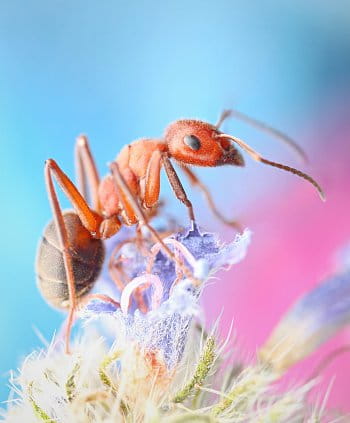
(90, 219)
(64, 246)
(87, 176)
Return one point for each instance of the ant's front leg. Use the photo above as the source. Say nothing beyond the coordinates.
(152, 182)
(177, 187)
(128, 200)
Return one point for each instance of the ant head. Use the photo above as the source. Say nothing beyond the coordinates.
(197, 143)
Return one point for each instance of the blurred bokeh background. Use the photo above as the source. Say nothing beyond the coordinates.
(121, 70)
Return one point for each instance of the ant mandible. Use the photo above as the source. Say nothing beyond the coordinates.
(71, 252)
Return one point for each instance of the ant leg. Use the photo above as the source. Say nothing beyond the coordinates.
(99, 227)
(117, 273)
(87, 176)
(90, 219)
(115, 269)
(140, 242)
(138, 239)
(129, 200)
(263, 127)
(152, 185)
(64, 246)
(150, 199)
(177, 187)
(131, 205)
(197, 183)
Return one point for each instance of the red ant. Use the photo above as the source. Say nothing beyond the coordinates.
(71, 253)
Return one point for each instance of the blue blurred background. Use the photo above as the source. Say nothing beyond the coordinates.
(120, 70)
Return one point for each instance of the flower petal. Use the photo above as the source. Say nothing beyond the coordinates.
(171, 302)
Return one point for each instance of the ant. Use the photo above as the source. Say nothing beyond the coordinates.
(71, 252)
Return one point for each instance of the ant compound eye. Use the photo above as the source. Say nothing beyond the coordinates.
(192, 141)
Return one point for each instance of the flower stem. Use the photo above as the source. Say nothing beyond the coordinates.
(204, 365)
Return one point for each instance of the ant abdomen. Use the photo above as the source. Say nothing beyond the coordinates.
(87, 255)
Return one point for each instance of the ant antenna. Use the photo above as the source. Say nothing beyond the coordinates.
(264, 128)
(256, 156)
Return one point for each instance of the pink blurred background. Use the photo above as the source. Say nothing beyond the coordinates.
(295, 240)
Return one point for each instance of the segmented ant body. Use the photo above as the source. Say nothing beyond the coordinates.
(71, 252)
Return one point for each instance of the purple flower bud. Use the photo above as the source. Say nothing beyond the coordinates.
(312, 320)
